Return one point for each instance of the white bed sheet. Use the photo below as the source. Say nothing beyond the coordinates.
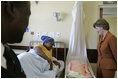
(36, 67)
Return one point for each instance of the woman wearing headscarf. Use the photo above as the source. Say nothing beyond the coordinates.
(45, 50)
(38, 62)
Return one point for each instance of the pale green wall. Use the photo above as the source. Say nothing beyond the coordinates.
(42, 20)
(113, 24)
(91, 9)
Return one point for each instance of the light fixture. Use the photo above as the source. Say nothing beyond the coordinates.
(57, 15)
(36, 2)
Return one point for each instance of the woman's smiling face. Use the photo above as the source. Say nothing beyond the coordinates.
(99, 30)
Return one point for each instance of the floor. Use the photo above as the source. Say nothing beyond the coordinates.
(94, 66)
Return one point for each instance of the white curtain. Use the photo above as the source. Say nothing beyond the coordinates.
(77, 43)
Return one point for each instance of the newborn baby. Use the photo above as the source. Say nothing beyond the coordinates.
(77, 66)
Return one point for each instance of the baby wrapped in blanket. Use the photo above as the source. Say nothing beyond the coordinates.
(78, 70)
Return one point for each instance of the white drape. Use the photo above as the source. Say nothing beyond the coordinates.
(77, 44)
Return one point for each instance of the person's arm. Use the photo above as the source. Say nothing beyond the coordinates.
(56, 63)
(43, 55)
(113, 46)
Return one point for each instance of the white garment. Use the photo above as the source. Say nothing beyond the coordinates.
(3, 60)
(35, 66)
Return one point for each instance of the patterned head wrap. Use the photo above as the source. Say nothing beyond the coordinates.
(46, 39)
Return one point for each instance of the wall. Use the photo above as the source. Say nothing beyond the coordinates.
(42, 21)
(113, 24)
(91, 9)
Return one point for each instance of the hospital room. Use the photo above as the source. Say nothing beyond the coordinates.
(61, 39)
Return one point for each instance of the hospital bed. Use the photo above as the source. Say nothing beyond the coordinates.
(57, 45)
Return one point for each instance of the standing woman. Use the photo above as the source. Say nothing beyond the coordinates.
(107, 50)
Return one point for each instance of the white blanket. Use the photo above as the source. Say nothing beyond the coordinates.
(35, 66)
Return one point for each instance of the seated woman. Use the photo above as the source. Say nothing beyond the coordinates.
(38, 62)
(45, 50)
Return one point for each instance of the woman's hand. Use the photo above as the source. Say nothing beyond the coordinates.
(57, 63)
(51, 64)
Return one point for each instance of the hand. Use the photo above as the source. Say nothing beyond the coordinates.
(57, 63)
(51, 64)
